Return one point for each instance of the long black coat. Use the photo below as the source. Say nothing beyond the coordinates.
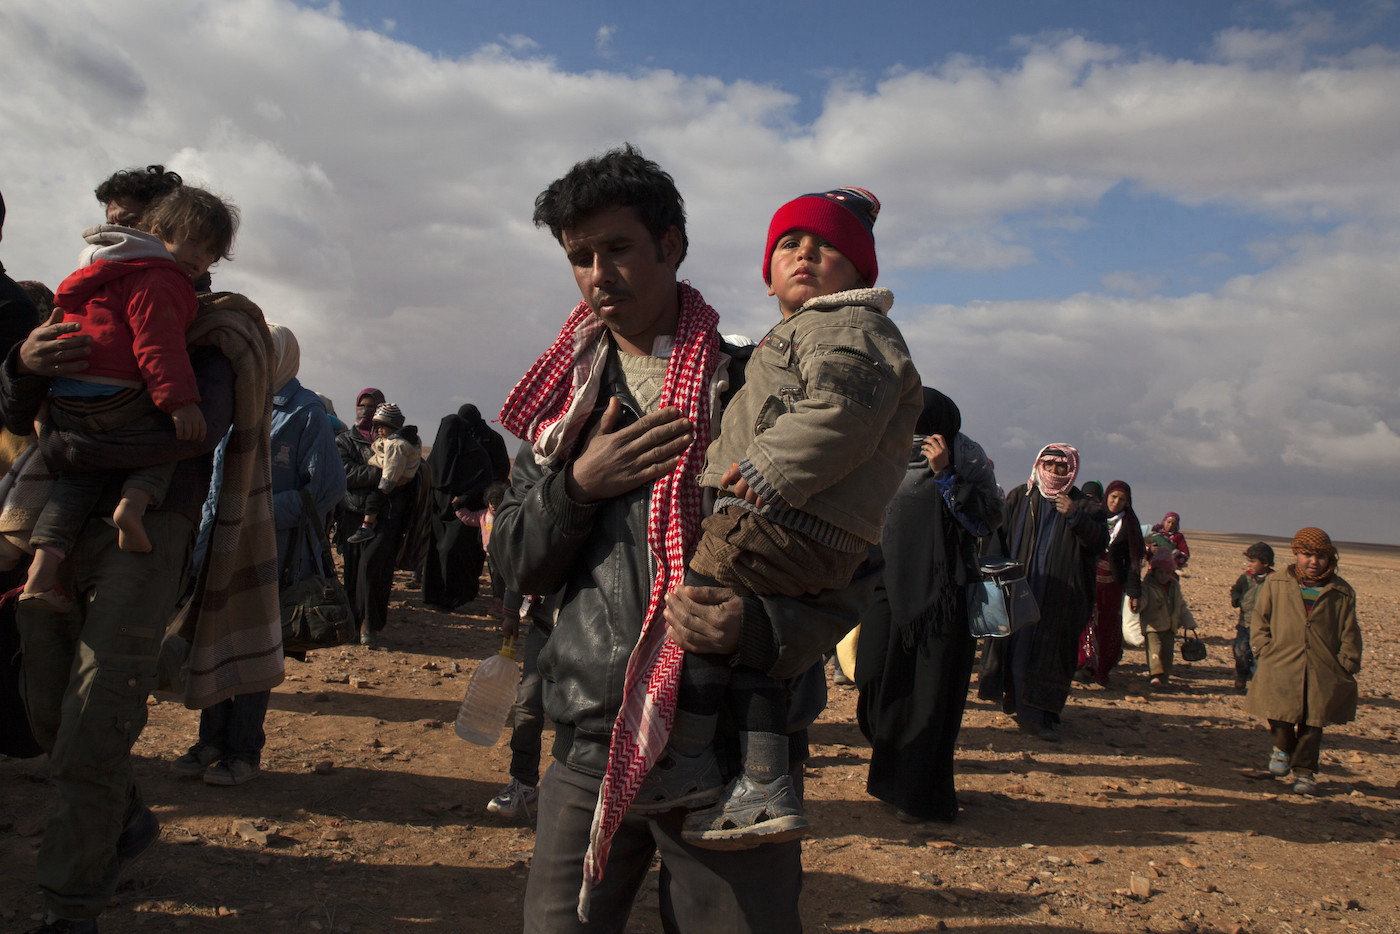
(1066, 596)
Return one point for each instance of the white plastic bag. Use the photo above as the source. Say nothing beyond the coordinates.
(1132, 626)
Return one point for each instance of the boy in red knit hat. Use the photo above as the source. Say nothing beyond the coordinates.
(810, 452)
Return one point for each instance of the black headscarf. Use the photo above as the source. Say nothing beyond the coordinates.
(486, 436)
(923, 566)
(939, 417)
(461, 467)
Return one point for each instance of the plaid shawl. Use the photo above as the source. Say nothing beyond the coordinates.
(549, 408)
(24, 491)
(233, 621)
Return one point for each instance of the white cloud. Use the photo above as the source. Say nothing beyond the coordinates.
(602, 40)
(387, 193)
(1131, 282)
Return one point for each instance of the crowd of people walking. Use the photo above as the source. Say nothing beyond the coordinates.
(687, 530)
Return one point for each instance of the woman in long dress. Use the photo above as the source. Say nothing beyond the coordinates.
(1058, 533)
(915, 656)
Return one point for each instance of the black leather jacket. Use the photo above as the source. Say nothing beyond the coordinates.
(594, 559)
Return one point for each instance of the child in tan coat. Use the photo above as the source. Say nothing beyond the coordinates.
(1164, 613)
(1307, 645)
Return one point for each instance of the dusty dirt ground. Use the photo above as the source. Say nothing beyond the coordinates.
(1153, 814)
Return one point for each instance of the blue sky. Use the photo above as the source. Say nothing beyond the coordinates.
(1168, 233)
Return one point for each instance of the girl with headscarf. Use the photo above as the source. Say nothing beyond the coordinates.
(304, 456)
(1117, 574)
(1167, 533)
(1057, 533)
(915, 656)
(1307, 644)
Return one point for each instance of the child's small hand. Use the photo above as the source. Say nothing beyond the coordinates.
(734, 481)
(189, 423)
(1134, 604)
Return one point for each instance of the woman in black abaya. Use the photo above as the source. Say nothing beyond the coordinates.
(915, 656)
(461, 470)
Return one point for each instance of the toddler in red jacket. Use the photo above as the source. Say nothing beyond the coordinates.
(134, 294)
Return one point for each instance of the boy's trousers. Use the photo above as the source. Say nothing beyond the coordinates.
(1161, 648)
(1303, 743)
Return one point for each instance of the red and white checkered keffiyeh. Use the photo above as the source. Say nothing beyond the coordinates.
(549, 408)
(1050, 484)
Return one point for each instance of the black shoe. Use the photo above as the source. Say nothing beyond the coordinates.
(136, 837)
(361, 535)
(1041, 731)
(53, 924)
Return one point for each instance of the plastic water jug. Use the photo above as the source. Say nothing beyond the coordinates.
(490, 694)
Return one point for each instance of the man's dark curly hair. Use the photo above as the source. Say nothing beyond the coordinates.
(144, 185)
(618, 178)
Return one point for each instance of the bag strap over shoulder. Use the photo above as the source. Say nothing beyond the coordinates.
(314, 532)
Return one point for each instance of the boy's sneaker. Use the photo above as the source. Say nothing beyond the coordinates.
(194, 763)
(231, 772)
(1279, 766)
(750, 814)
(678, 781)
(1304, 783)
(513, 798)
(361, 535)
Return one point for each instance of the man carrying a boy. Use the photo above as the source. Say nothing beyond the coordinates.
(604, 510)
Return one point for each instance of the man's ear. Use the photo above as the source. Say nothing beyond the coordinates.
(671, 246)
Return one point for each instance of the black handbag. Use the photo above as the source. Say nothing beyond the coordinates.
(316, 611)
(1193, 649)
(1000, 601)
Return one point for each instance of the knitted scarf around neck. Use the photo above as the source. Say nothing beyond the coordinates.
(549, 408)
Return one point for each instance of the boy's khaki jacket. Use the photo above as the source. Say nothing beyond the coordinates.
(827, 411)
(1306, 661)
(1164, 609)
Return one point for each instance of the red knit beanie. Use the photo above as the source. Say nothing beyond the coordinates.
(844, 217)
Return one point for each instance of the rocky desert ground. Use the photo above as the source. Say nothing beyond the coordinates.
(1153, 815)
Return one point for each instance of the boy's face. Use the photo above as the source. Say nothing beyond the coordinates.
(1310, 563)
(382, 431)
(193, 254)
(1163, 575)
(1254, 567)
(804, 266)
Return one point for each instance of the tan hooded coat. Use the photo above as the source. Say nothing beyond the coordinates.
(1306, 660)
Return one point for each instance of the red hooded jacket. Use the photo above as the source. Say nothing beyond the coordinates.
(137, 310)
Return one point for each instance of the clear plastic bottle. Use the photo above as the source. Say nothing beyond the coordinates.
(490, 694)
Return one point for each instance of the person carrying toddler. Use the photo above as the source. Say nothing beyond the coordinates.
(810, 452)
(398, 454)
(134, 295)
